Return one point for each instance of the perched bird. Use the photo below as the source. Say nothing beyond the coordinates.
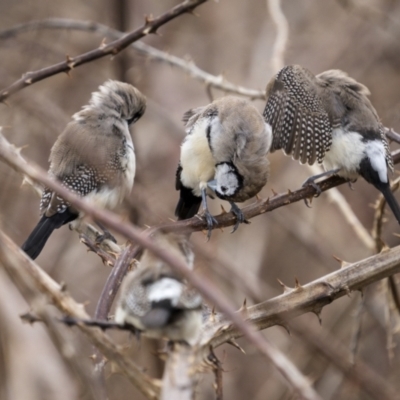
(225, 150)
(157, 300)
(329, 119)
(94, 157)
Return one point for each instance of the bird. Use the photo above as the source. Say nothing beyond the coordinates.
(224, 153)
(158, 301)
(93, 157)
(329, 119)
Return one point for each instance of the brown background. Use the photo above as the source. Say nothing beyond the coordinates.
(230, 37)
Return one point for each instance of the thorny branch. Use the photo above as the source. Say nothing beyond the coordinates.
(187, 66)
(150, 26)
(12, 157)
(30, 278)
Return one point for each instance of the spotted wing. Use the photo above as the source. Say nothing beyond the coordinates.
(300, 124)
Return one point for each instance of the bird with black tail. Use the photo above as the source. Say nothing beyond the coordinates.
(94, 157)
(224, 153)
(329, 119)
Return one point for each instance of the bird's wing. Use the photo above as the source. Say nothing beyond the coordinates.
(300, 125)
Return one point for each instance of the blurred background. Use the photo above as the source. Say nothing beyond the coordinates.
(234, 38)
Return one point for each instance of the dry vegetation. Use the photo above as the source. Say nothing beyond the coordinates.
(224, 47)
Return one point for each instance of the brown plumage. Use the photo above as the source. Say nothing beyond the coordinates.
(328, 118)
(93, 157)
(225, 150)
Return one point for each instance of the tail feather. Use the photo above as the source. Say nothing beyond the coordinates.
(391, 201)
(45, 227)
(188, 204)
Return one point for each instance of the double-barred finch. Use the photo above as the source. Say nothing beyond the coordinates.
(94, 158)
(328, 118)
(224, 153)
(157, 300)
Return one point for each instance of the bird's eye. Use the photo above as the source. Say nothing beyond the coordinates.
(224, 188)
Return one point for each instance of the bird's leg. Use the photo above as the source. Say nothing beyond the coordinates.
(311, 182)
(211, 221)
(106, 234)
(239, 216)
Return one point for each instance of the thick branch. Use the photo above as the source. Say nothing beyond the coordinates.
(113, 48)
(26, 274)
(315, 295)
(187, 66)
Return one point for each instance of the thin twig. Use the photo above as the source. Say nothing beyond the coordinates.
(150, 27)
(282, 34)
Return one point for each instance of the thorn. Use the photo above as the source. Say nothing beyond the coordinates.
(286, 289)
(289, 192)
(70, 62)
(30, 318)
(318, 314)
(343, 264)
(28, 81)
(103, 44)
(223, 210)
(273, 192)
(212, 314)
(235, 344)
(93, 357)
(267, 201)
(63, 286)
(148, 226)
(148, 19)
(258, 198)
(285, 327)
(169, 219)
(297, 285)
(193, 12)
(384, 247)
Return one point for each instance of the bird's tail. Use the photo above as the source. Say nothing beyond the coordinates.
(46, 225)
(188, 204)
(391, 200)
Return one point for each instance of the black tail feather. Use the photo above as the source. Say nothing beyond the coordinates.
(188, 204)
(46, 225)
(391, 200)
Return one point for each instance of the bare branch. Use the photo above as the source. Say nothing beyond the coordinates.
(187, 66)
(150, 26)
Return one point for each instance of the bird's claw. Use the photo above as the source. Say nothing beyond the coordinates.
(105, 236)
(211, 222)
(240, 219)
(311, 182)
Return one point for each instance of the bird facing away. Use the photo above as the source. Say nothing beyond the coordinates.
(328, 118)
(225, 150)
(157, 300)
(94, 158)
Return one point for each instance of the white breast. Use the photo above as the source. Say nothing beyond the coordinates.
(197, 162)
(346, 153)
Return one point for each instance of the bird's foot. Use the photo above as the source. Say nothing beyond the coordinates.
(211, 222)
(311, 182)
(106, 235)
(240, 219)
